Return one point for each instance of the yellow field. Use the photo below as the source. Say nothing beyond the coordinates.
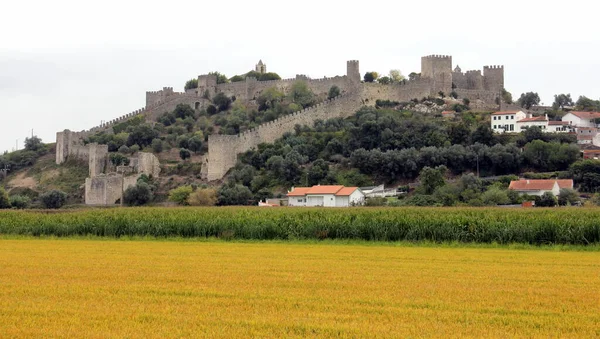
(102, 288)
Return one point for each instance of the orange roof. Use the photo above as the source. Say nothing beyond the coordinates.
(558, 123)
(586, 115)
(298, 192)
(346, 191)
(540, 118)
(539, 184)
(325, 189)
(585, 137)
(506, 112)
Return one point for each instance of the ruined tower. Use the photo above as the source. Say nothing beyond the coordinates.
(207, 83)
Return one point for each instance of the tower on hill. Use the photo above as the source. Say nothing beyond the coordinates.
(260, 67)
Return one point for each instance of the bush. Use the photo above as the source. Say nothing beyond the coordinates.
(180, 194)
(19, 202)
(138, 195)
(118, 159)
(4, 201)
(334, 91)
(546, 200)
(568, 196)
(211, 110)
(53, 199)
(203, 197)
(222, 101)
(157, 146)
(495, 196)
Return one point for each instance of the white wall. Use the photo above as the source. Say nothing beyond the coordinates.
(297, 201)
(357, 198)
(508, 120)
(342, 201)
(576, 121)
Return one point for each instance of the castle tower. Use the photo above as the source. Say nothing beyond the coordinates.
(352, 71)
(260, 67)
(439, 69)
(493, 78)
(207, 83)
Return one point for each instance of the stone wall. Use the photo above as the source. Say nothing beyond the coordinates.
(104, 189)
(439, 69)
(493, 78)
(480, 99)
(223, 149)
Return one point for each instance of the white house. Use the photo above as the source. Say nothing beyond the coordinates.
(559, 127)
(539, 121)
(502, 122)
(539, 187)
(581, 119)
(326, 195)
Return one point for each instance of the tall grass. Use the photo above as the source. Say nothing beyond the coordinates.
(531, 226)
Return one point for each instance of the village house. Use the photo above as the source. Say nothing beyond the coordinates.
(539, 187)
(582, 119)
(325, 195)
(502, 122)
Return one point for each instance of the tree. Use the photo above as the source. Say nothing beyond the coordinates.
(568, 196)
(184, 154)
(195, 144)
(53, 199)
(495, 196)
(562, 100)
(586, 174)
(157, 145)
(118, 159)
(301, 94)
(4, 201)
(191, 84)
(334, 91)
(395, 75)
(507, 96)
(483, 134)
(269, 76)
(142, 135)
(183, 111)
(34, 144)
(237, 78)
(318, 172)
(370, 76)
(211, 110)
(586, 104)
(384, 80)
(269, 98)
(203, 197)
(234, 194)
(529, 99)
(138, 195)
(414, 76)
(546, 200)
(432, 178)
(222, 101)
(180, 194)
(221, 78)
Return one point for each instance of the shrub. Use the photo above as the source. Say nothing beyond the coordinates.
(546, 200)
(334, 91)
(118, 159)
(4, 201)
(53, 199)
(180, 194)
(211, 110)
(203, 197)
(19, 202)
(157, 146)
(138, 195)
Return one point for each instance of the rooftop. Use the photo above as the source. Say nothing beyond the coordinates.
(338, 190)
(506, 112)
(539, 118)
(539, 184)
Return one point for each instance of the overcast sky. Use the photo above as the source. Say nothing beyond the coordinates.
(70, 64)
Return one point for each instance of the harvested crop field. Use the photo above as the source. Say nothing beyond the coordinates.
(117, 288)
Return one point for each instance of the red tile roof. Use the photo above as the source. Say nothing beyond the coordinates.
(539, 184)
(506, 112)
(298, 192)
(325, 189)
(346, 191)
(586, 115)
(558, 123)
(540, 118)
(585, 137)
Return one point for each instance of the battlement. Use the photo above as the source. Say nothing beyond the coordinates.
(352, 61)
(436, 56)
(477, 71)
(493, 67)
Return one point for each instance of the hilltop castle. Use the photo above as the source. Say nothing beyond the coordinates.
(483, 89)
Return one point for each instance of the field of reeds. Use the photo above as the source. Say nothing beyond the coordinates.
(109, 288)
(580, 226)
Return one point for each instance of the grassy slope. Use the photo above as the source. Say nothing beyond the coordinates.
(157, 289)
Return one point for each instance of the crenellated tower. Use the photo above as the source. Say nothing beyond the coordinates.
(438, 68)
(353, 71)
(493, 78)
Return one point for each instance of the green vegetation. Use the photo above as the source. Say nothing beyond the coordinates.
(529, 99)
(53, 199)
(539, 226)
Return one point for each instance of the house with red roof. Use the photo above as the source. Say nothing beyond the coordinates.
(506, 121)
(582, 119)
(539, 187)
(325, 195)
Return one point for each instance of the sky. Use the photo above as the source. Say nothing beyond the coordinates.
(72, 64)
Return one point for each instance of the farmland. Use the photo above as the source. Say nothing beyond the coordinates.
(120, 288)
(574, 226)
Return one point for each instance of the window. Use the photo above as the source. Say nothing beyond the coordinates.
(494, 126)
(494, 118)
(299, 200)
(512, 127)
(506, 117)
(512, 117)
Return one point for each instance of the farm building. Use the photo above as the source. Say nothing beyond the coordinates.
(539, 187)
(326, 195)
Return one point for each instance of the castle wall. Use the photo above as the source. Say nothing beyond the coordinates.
(438, 68)
(459, 80)
(223, 149)
(146, 163)
(416, 89)
(487, 98)
(474, 80)
(493, 78)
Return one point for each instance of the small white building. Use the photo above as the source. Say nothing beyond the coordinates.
(539, 121)
(326, 196)
(539, 187)
(506, 122)
(581, 119)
